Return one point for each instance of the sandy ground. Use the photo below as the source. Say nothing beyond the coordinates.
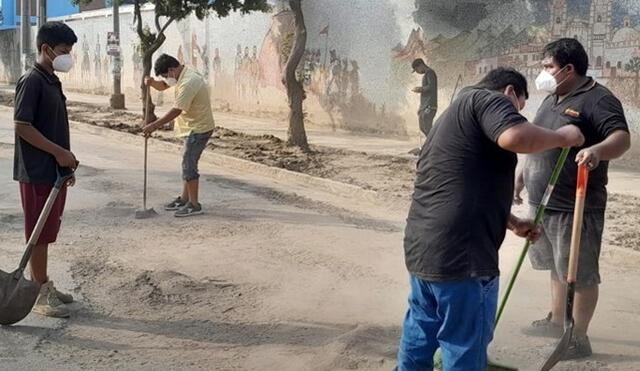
(273, 277)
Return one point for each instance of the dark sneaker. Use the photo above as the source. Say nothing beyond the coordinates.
(545, 328)
(189, 210)
(175, 204)
(579, 347)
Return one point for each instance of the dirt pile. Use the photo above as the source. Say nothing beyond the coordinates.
(173, 288)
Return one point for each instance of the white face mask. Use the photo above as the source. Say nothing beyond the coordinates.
(546, 82)
(170, 81)
(62, 62)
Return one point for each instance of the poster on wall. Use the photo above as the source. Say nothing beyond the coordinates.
(113, 44)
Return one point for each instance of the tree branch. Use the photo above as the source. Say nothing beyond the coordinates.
(138, 18)
(157, 21)
(166, 25)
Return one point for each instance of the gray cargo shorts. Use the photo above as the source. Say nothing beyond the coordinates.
(551, 252)
(194, 144)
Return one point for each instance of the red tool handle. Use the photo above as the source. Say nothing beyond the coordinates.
(578, 212)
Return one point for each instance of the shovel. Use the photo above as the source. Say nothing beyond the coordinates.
(17, 293)
(144, 212)
(574, 254)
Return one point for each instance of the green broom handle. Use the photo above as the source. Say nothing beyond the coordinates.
(539, 214)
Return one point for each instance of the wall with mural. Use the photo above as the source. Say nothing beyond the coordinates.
(10, 56)
(356, 69)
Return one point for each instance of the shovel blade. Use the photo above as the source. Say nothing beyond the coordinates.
(145, 213)
(560, 350)
(17, 296)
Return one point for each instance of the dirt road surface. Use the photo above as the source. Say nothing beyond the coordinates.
(273, 277)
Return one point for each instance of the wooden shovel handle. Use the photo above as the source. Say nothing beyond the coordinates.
(578, 212)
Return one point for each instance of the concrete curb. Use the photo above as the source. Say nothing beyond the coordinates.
(233, 163)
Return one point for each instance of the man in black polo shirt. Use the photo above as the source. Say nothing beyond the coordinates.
(573, 98)
(41, 145)
(458, 219)
(428, 95)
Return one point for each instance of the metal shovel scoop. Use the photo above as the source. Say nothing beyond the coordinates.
(17, 293)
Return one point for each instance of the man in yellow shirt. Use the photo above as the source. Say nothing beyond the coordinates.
(193, 121)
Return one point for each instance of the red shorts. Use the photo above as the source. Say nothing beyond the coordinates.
(34, 196)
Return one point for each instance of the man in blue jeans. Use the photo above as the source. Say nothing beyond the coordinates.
(193, 122)
(458, 219)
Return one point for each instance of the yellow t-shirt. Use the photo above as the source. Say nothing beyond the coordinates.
(192, 97)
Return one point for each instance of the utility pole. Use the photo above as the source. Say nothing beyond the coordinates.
(42, 13)
(25, 35)
(117, 98)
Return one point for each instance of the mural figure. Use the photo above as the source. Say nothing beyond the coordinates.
(97, 63)
(136, 59)
(237, 71)
(254, 71)
(217, 67)
(85, 68)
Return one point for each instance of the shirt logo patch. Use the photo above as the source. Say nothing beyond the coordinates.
(572, 113)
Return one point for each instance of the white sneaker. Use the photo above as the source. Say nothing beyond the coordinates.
(48, 304)
(64, 298)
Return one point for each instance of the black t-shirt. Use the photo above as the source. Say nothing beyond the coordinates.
(598, 113)
(463, 191)
(429, 95)
(39, 102)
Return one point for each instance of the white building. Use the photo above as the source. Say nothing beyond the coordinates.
(609, 49)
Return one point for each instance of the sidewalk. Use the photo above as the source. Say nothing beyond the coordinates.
(259, 126)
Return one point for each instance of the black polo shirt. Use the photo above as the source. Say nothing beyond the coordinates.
(598, 113)
(39, 102)
(429, 95)
(463, 190)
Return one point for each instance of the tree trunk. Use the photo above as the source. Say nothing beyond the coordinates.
(636, 85)
(149, 44)
(296, 135)
(146, 71)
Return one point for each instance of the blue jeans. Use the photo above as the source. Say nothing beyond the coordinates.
(456, 316)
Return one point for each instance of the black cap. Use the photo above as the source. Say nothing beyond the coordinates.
(417, 62)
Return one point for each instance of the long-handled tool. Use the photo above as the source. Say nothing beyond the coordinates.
(17, 293)
(572, 273)
(144, 212)
(494, 366)
(537, 220)
(455, 88)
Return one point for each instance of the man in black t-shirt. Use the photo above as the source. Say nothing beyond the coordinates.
(458, 219)
(577, 99)
(428, 95)
(41, 146)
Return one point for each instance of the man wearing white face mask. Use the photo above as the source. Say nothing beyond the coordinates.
(42, 144)
(458, 218)
(574, 98)
(193, 122)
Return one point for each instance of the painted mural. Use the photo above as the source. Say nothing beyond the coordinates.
(356, 69)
